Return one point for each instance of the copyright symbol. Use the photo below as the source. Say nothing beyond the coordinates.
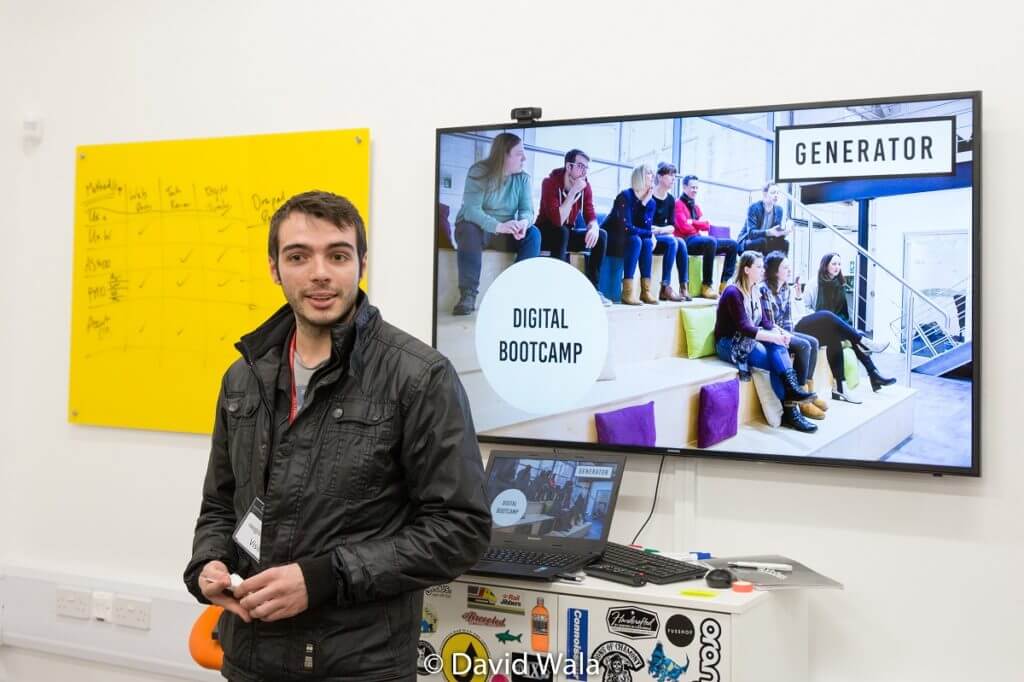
(432, 663)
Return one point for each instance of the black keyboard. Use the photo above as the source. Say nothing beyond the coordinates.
(512, 556)
(654, 568)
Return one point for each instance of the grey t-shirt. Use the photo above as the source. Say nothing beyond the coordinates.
(302, 376)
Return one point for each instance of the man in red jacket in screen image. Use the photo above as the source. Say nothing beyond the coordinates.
(563, 195)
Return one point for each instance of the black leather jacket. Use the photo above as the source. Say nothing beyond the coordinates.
(375, 490)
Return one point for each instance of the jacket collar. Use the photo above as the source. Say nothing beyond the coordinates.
(272, 334)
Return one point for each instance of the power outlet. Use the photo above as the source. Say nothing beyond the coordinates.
(103, 606)
(132, 612)
(74, 603)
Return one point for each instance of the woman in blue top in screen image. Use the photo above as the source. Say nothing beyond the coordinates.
(497, 212)
(629, 229)
(746, 336)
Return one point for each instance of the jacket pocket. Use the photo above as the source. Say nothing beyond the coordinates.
(241, 410)
(356, 460)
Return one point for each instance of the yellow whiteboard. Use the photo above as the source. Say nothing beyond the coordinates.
(170, 264)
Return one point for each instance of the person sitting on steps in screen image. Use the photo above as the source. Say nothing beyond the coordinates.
(745, 336)
(497, 213)
(829, 322)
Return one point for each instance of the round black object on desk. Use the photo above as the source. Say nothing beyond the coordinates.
(720, 578)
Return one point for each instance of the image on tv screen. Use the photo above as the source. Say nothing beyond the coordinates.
(794, 284)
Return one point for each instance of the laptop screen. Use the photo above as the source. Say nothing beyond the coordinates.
(552, 498)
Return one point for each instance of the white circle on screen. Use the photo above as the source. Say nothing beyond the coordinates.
(508, 507)
(541, 335)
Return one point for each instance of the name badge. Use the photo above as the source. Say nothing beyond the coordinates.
(248, 532)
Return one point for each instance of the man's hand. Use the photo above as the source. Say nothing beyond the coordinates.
(274, 594)
(577, 188)
(590, 238)
(213, 580)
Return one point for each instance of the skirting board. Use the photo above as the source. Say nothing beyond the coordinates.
(28, 619)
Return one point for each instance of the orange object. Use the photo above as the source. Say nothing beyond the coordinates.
(205, 649)
(539, 618)
(742, 586)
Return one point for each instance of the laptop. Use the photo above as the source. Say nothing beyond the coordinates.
(551, 513)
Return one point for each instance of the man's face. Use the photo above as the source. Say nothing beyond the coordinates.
(771, 195)
(665, 181)
(690, 189)
(317, 268)
(577, 169)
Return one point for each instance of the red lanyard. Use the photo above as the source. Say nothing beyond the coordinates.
(293, 408)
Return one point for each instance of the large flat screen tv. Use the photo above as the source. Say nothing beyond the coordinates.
(795, 283)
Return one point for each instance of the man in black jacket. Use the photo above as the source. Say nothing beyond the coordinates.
(344, 475)
(765, 230)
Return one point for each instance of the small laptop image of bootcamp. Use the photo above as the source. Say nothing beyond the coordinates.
(551, 512)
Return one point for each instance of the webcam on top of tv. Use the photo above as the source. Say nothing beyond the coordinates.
(526, 114)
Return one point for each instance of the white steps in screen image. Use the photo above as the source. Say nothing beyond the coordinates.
(647, 362)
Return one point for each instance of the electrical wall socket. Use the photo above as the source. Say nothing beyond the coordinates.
(74, 603)
(132, 612)
(103, 606)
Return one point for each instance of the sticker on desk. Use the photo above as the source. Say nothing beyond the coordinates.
(576, 641)
(464, 658)
(426, 657)
(507, 637)
(710, 649)
(618, 661)
(478, 596)
(679, 630)
(531, 668)
(428, 621)
(474, 618)
(443, 591)
(664, 669)
(633, 622)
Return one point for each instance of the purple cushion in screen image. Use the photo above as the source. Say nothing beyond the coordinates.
(628, 426)
(720, 232)
(717, 417)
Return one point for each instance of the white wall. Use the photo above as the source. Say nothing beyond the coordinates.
(930, 564)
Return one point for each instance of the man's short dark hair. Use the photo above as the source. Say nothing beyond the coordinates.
(333, 208)
(666, 169)
(767, 185)
(688, 179)
(572, 154)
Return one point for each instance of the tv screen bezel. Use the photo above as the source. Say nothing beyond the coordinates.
(976, 243)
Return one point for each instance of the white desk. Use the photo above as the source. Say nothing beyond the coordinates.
(732, 637)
